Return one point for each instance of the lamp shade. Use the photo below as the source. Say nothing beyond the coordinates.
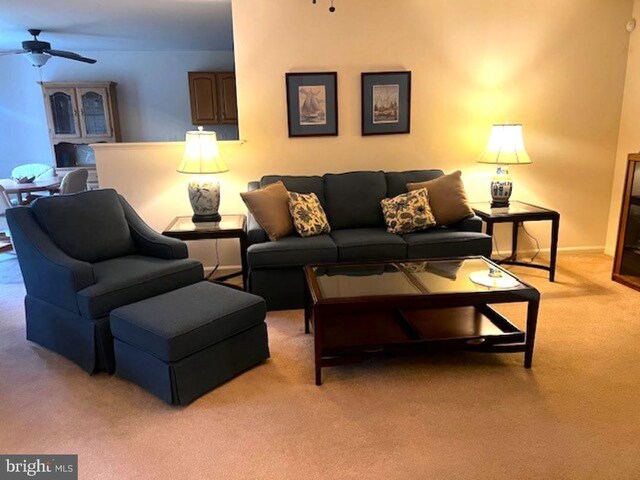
(506, 146)
(201, 154)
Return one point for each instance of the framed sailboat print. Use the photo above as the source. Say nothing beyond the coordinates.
(312, 104)
(386, 103)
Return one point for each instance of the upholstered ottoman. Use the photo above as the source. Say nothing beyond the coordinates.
(184, 343)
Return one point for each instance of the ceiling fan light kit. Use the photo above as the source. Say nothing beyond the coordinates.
(37, 59)
(38, 52)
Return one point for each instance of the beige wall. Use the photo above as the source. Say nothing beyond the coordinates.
(629, 138)
(557, 66)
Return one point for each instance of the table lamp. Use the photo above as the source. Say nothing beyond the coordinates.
(202, 159)
(505, 147)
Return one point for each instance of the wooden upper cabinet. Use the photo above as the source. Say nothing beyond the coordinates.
(203, 88)
(227, 98)
(81, 112)
(213, 98)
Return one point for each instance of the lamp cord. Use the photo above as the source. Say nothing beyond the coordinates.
(535, 240)
(215, 269)
(535, 255)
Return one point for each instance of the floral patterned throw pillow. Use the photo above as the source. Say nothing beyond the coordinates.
(308, 215)
(408, 212)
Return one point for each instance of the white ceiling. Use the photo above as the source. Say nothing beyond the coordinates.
(127, 25)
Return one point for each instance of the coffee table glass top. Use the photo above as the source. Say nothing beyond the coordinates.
(514, 208)
(364, 281)
(407, 278)
(185, 224)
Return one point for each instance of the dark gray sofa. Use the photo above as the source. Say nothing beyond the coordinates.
(84, 255)
(352, 204)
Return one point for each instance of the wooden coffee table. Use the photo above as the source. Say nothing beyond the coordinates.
(362, 309)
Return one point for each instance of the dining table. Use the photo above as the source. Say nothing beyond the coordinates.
(12, 187)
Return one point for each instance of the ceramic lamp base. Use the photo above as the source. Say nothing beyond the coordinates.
(501, 187)
(204, 195)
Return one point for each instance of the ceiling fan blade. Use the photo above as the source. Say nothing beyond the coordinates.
(69, 55)
(12, 52)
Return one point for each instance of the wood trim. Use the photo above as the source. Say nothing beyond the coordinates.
(104, 84)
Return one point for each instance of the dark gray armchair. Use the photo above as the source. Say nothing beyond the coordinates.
(83, 255)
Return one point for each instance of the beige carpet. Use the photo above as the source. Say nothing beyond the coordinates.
(456, 416)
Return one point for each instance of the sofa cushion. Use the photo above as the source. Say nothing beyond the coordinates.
(72, 223)
(358, 244)
(270, 207)
(447, 197)
(184, 321)
(293, 251)
(308, 216)
(397, 181)
(446, 242)
(128, 279)
(353, 199)
(298, 184)
(408, 212)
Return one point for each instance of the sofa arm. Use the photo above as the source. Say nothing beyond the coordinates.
(255, 233)
(49, 273)
(470, 224)
(148, 241)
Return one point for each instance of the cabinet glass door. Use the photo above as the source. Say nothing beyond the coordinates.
(631, 252)
(62, 105)
(94, 112)
(627, 261)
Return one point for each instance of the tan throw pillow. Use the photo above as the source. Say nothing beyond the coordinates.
(308, 215)
(447, 198)
(408, 212)
(270, 207)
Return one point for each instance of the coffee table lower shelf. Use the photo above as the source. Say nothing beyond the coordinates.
(344, 337)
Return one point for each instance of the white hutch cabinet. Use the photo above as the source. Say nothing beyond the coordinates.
(78, 114)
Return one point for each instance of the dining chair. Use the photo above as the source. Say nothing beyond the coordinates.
(74, 181)
(37, 170)
(5, 202)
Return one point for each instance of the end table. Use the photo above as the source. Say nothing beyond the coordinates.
(231, 226)
(517, 213)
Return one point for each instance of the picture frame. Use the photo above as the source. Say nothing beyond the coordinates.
(312, 104)
(386, 103)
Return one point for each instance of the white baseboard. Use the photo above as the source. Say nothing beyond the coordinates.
(221, 268)
(545, 251)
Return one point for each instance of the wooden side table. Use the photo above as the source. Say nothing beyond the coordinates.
(517, 213)
(231, 226)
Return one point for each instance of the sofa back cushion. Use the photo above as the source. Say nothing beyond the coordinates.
(397, 181)
(298, 184)
(89, 226)
(353, 199)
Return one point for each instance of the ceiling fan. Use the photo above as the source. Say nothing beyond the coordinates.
(39, 52)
